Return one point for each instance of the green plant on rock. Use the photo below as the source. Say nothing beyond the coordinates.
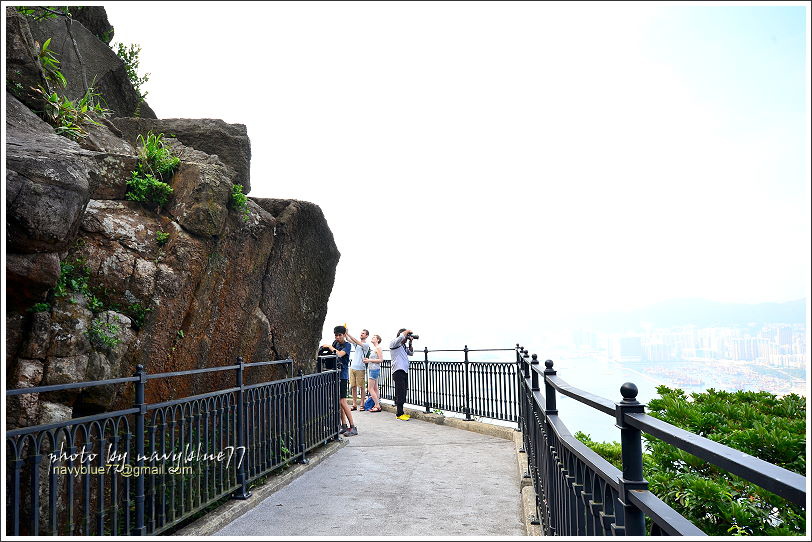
(162, 238)
(40, 307)
(74, 277)
(50, 64)
(137, 313)
(39, 13)
(103, 334)
(129, 55)
(70, 117)
(155, 157)
(758, 423)
(148, 189)
(239, 201)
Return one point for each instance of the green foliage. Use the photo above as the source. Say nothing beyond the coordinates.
(50, 64)
(757, 423)
(137, 314)
(129, 55)
(239, 201)
(180, 334)
(74, 277)
(69, 117)
(148, 189)
(155, 163)
(162, 238)
(155, 157)
(39, 13)
(40, 307)
(103, 334)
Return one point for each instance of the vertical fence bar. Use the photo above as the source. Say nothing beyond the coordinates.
(426, 379)
(242, 492)
(140, 527)
(632, 457)
(301, 401)
(467, 388)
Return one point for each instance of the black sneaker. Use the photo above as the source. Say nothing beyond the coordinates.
(352, 431)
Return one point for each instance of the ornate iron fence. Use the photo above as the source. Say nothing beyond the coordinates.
(580, 493)
(147, 469)
(474, 388)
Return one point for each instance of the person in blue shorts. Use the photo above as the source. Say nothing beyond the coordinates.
(341, 348)
(374, 366)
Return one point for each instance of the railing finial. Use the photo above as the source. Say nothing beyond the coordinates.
(629, 392)
(548, 364)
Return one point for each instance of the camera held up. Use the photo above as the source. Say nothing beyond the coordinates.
(412, 336)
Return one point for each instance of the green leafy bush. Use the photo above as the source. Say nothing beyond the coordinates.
(74, 277)
(155, 163)
(162, 238)
(129, 55)
(38, 13)
(137, 314)
(50, 64)
(103, 334)
(40, 307)
(148, 189)
(239, 201)
(155, 157)
(757, 423)
(69, 117)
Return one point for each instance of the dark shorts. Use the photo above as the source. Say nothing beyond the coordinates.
(343, 388)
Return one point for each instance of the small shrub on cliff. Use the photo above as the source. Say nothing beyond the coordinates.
(129, 55)
(148, 189)
(50, 64)
(239, 201)
(74, 277)
(68, 117)
(162, 238)
(40, 307)
(38, 13)
(138, 314)
(103, 334)
(155, 157)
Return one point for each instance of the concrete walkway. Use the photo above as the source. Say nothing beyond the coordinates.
(398, 478)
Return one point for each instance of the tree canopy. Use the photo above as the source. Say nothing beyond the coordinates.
(758, 423)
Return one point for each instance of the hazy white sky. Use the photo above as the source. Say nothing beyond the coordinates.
(487, 167)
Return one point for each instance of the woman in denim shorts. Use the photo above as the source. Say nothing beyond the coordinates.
(374, 365)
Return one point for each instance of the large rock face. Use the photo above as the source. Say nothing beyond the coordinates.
(85, 60)
(219, 286)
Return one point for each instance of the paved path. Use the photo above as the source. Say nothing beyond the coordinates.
(398, 478)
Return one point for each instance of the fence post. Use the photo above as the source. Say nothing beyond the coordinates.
(534, 374)
(519, 399)
(549, 391)
(140, 528)
(632, 456)
(242, 492)
(426, 380)
(302, 400)
(467, 388)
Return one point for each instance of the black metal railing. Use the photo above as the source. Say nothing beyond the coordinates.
(147, 469)
(579, 493)
(474, 388)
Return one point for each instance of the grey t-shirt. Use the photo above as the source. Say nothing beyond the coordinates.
(400, 354)
(373, 354)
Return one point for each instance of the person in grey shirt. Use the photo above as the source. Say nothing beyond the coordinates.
(400, 351)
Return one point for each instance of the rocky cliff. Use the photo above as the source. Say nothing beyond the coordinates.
(97, 283)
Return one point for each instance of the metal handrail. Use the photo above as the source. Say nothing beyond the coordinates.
(629, 487)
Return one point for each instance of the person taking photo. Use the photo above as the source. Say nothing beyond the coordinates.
(400, 350)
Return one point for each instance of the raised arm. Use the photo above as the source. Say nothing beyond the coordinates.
(352, 339)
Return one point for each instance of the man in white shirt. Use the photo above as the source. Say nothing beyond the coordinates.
(400, 352)
(358, 370)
